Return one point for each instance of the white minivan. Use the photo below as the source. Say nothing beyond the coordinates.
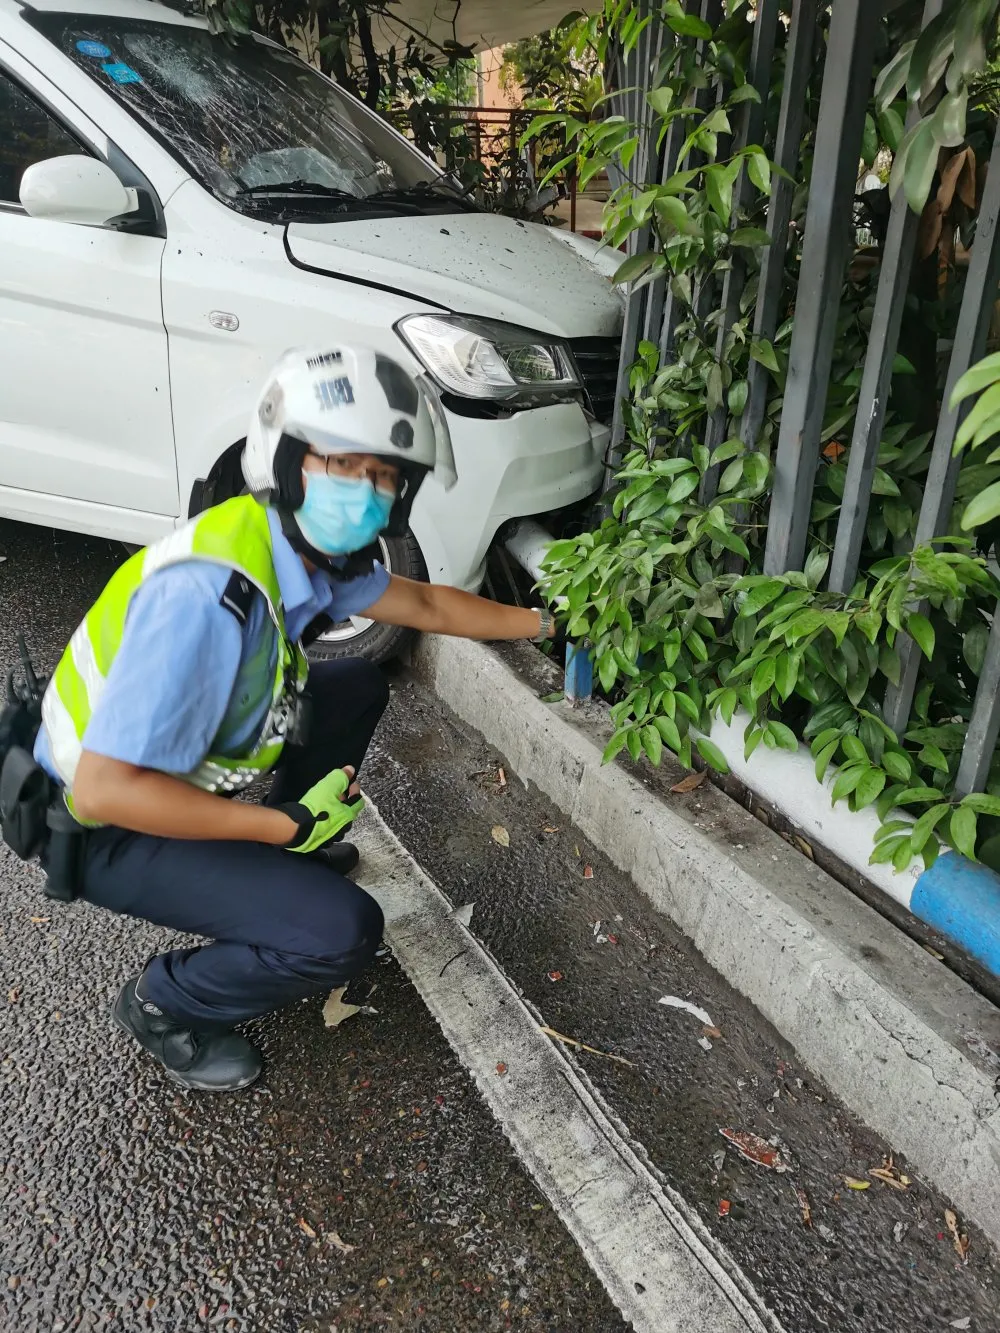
(177, 208)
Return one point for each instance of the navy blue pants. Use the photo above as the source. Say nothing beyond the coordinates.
(285, 926)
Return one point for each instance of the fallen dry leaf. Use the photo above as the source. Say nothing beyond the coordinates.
(588, 872)
(40, 920)
(888, 1177)
(14, 994)
(500, 835)
(959, 1238)
(501, 1069)
(550, 828)
(501, 777)
(335, 1010)
(689, 783)
(711, 1032)
(854, 1184)
(754, 1149)
(304, 1226)
(803, 1198)
(339, 1244)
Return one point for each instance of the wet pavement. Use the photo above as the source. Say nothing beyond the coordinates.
(129, 1206)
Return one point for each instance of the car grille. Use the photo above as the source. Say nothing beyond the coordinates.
(597, 362)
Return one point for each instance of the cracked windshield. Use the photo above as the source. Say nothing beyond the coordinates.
(261, 129)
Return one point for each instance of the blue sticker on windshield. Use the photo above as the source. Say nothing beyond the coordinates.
(96, 50)
(122, 73)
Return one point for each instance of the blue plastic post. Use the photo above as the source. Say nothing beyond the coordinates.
(579, 673)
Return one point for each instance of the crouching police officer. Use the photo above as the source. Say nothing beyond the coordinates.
(186, 682)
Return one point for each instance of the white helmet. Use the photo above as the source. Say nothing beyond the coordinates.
(341, 399)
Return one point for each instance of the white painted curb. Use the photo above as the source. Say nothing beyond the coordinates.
(903, 1041)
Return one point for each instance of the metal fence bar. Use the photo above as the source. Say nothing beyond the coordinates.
(798, 68)
(751, 131)
(883, 339)
(971, 334)
(847, 83)
(639, 69)
(984, 724)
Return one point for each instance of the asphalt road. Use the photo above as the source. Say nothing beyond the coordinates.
(129, 1206)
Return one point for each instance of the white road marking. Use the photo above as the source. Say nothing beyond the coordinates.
(659, 1264)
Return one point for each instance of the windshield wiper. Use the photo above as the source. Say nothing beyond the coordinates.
(299, 187)
(424, 192)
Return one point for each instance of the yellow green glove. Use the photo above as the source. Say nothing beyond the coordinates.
(321, 814)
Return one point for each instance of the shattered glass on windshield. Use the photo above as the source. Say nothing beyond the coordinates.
(248, 119)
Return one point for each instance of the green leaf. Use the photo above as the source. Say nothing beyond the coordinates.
(632, 268)
(824, 757)
(915, 165)
(918, 795)
(785, 736)
(668, 730)
(974, 644)
(897, 765)
(752, 737)
(847, 780)
(763, 678)
(926, 825)
(759, 171)
(984, 508)
(762, 351)
(903, 856)
(556, 697)
(786, 674)
(854, 750)
(652, 743)
(892, 80)
(978, 377)
(986, 408)
(921, 631)
(753, 238)
(688, 25)
(816, 566)
(761, 595)
(869, 142)
(737, 399)
(891, 127)
(983, 804)
(661, 100)
(869, 788)
(886, 851)
(711, 754)
(963, 831)
(607, 672)
(615, 745)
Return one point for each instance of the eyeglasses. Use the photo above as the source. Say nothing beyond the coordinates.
(383, 476)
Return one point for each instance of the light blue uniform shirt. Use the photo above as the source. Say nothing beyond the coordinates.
(188, 679)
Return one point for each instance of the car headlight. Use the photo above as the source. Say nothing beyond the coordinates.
(480, 358)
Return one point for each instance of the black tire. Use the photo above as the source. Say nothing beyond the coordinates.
(376, 643)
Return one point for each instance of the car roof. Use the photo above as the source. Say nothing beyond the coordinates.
(119, 9)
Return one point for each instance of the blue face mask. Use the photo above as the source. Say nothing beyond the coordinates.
(342, 514)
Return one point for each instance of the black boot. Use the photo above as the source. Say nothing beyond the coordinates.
(206, 1061)
(340, 856)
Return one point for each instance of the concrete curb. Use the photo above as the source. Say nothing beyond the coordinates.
(904, 1042)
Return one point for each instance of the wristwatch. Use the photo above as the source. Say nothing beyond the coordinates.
(547, 625)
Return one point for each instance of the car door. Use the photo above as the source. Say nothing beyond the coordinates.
(85, 419)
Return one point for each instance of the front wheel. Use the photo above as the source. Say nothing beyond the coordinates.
(359, 637)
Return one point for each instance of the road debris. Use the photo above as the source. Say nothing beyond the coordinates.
(675, 1002)
(588, 872)
(714, 1033)
(501, 777)
(692, 781)
(463, 914)
(719, 1159)
(755, 1149)
(550, 828)
(555, 697)
(965, 1322)
(501, 1069)
(14, 994)
(889, 1175)
(724, 1207)
(500, 835)
(40, 920)
(335, 1010)
(704, 1043)
(582, 1046)
(899, 1231)
(854, 1184)
(959, 1238)
(555, 976)
(306, 1228)
(803, 1198)
(825, 1232)
(339, 1244)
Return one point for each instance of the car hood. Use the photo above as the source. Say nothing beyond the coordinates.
(471, 263)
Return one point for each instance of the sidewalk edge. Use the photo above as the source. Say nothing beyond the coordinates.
(904, 1042)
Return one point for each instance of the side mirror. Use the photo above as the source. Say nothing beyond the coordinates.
(74, 189)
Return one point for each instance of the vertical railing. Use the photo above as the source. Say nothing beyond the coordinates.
(651, 312)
